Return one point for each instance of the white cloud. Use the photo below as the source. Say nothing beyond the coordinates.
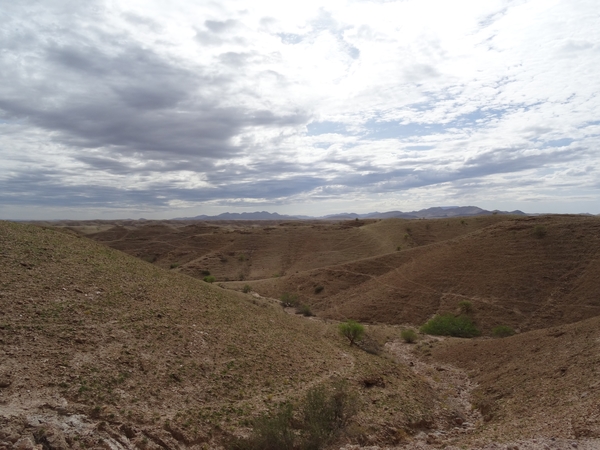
(207, 103)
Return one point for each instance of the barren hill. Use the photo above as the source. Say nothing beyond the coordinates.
(528, 273)
(257, 250)
(102, 349)
(541, 383)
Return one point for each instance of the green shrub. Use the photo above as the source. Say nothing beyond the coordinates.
(246, 289)
(450, 325)
(319, 289)
(304, 310)
(351, 330)
(465, 306)
(322, 414)
(409, 336)
(325, 412)
(205, 272)
(269, 433)
(174, 266)
(209, 279)
(289, 300)
(502, 331)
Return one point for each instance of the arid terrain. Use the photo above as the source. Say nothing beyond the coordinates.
(119, 343)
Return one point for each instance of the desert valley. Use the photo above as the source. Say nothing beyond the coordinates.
(226, 334)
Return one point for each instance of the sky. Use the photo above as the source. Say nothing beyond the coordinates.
(162, 109)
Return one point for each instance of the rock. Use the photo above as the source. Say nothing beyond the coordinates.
(52, 438)
(5, 380)
(25, 443)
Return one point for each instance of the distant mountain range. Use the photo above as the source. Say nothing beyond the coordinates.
(429, 213)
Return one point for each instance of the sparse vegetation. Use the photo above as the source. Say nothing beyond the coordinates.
(305, 311)
(465, 306)
(247, 289)
(352, 330)
(270, 432)
(209, 279)
(325, 412)
(174, 266)
(318, 421)
(61, 298)
(319, 289)
(539, 231)
(409, 335)
(370, 345)
(502, 331)
(289, 300)
(450, 325)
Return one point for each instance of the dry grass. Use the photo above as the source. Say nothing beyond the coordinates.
(127, 342)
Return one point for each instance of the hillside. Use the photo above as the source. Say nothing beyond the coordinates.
(99, 348)
(103, 350)
(527, 273)
(259, 250)
(542, 383)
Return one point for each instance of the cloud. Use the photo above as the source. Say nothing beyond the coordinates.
(112, 105)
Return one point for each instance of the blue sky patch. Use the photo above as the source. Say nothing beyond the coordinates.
(326, 127)
(559, 142)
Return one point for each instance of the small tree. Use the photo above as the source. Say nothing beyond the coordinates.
(352, 330)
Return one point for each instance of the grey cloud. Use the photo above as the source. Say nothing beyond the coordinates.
(263, 180)
(419, 73)
(206, 38)
(235, 59)
(136, 19)
(99, 90)
(220, 26)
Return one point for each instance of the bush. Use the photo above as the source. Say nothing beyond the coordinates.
(539, 231)
(465, 306)
(269, 433)
(409, 336)
(502, 331)
(319, 289)
(325, 412)
(246, 289)
(450, 325)
(352, 330)
(370, 345)
(289, 300)
(209, 279)
(304, 310)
